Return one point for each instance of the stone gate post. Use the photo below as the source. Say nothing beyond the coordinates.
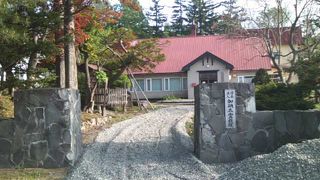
(47, 128)
(223, 112)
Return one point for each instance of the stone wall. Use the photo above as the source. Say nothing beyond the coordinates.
(255, 132)
(213, 142)
(272, 129)
(46, 131)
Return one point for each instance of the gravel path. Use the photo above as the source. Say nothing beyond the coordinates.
(150, 146)
(156, 146)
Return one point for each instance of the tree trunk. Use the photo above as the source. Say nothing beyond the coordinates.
(10, 81)
(69, 47)
(88, 84)
(60, 62)
(32, 65)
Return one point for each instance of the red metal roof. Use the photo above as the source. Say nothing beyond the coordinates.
(242, 53)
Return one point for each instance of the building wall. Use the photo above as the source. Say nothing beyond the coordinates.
(236, 74)
(285, 63)
(193, 73)
(183, 93)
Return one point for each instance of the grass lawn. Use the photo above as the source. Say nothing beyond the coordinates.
(318, 106)
(33, 173)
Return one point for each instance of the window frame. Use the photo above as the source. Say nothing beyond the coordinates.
(166, 88)
(148, 88)
(144, 84)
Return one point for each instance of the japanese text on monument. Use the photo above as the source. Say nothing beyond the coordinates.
(230, 108)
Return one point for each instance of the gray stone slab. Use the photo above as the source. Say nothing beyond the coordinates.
(39, 150)
(5, 146)
(6, 128)
(262, 119)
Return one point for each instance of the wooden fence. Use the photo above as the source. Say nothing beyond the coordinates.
(111, 97)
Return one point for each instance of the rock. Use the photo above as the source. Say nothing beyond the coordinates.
(294, 123)
(6, 128)
(54, 136)
(39, 150)
(5, 146)
(225, 142)
(280, 122)
(311, 121)
(59, 157)
(262, 119)
(259, 141)
(237, 139)
(18, 157)
(209, 156)
(226, 156)
(4, 161)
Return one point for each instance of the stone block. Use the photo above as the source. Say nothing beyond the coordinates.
(5, 146)
(280, 122)
(225, 142)
(238, 139)
(207, 136)
(261, 119)
(6, 128)
(311, 121)
(208, 155)
(259, 141)
(39, 150)
(4, 161)
(227, 156)
(243, 152)
(54, 136)
(294, 123)
(59, 157)
(243, 122)
(18, 157)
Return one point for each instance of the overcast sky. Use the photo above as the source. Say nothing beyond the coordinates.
(251, 6)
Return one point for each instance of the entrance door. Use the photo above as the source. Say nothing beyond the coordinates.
(208, 76)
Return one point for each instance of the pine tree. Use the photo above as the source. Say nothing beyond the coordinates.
(178, 18)
(202, 13)
(135, 20)
(231, 19)
(157, 17)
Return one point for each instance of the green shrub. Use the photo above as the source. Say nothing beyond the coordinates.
(6, 107)
(261, 77)
(122, 81)
(273, 96)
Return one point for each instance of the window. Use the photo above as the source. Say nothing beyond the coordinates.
(148, 84)
(175, 84)
(245, 79)
(184, 83)
(166, 84)
(156, 84)
(208, 77)
(140, 82)
(240, 79)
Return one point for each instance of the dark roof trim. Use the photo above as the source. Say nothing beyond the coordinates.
(207, 54)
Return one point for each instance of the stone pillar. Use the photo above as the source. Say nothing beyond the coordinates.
(213, 141)
(48, 120)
